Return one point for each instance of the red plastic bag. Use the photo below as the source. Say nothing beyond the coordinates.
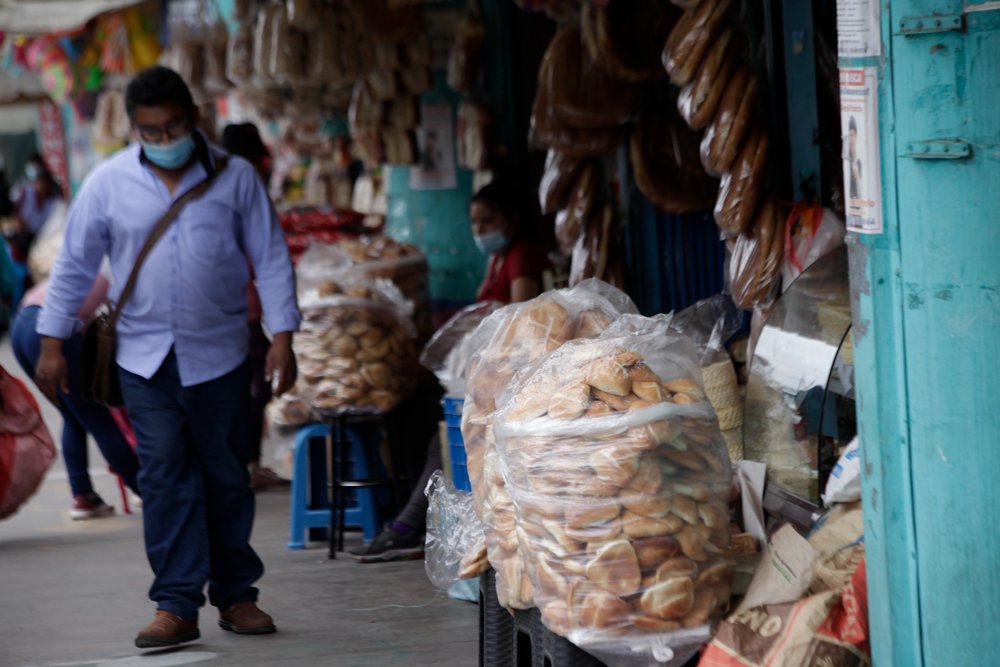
(26, 447)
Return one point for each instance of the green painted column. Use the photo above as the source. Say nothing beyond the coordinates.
(926, 298)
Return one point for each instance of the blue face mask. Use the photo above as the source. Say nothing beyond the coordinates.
(31, 172)
(490, 242)
(170, 156)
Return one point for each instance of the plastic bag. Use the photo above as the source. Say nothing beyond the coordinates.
(455, 546)
(626, 38)
(26, 447)
(289, 46)
(557, 182)
(691, 39)
(741, 188)
(844, 484)
(580, 207)
(733, 118)
(263, 43)
(755, 261)
(582, 95)
(355, 348)
(474, 130)
(240, 54)
(699, 99)
(505, 342)
(593, 246)
(709, 323)
(216, 53)
(810, 233)
(620, 481)
(448, 352)
(465, 56)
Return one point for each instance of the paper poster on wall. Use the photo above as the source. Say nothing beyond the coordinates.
(858, 28)
(435, 169)
(862, 166)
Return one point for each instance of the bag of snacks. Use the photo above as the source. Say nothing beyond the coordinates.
(620, 480)
(508, 340)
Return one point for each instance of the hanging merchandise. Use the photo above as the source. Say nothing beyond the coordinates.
(557, 181)
(465, 57)
(593, 248)
(755, 264)
(626, 38)
(699, 99)
(580, 208)
(142, 30)
(240, 55)
(742, 186)
(288, 49)
(216, 52)
(475, 132)
(44, 56)
(724, 136)
(263, 44)
(810, 233)
(304, 15)
(691, 39)
(387, 22)
(664, 156)
(111, 126)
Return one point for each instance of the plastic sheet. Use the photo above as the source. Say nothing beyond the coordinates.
(620, 481)
(506, 341)
(741, 188)
(592, 251)
(756, 255)
(455, 546)
(448, 352)
(709, 323)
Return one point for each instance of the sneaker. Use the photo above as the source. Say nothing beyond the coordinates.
(389, 545)
(89, 506)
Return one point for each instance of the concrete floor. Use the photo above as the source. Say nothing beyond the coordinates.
(74, 594)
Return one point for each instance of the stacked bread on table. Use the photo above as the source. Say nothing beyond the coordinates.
(706, 57)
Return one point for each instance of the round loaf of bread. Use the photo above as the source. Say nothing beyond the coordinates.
(626, 38)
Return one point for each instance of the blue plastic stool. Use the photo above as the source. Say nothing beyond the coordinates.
(305, 515)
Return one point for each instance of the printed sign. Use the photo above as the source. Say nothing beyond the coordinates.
(436, 169)
(53, 142)
(862, 167)
(858, 28)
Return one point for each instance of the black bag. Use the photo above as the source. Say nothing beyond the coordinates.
(100, 341)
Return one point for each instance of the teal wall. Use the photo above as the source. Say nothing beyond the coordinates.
(437, 221)
(926, 298)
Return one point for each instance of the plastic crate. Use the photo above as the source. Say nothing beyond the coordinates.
(521, 639)
(456, 445)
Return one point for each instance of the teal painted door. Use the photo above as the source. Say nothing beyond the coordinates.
(927, 318)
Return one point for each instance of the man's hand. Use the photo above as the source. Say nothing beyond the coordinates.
(50, 372)
(281, 363)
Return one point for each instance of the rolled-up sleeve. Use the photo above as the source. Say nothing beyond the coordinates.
(85, 244)
(266, 247)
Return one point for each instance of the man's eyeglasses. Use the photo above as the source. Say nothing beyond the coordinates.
(161, 134)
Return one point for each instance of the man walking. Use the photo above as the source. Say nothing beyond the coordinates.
(182, 346)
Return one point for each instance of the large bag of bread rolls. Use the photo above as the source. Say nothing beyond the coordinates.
(620, 480)
(506, 341)
(355, 348)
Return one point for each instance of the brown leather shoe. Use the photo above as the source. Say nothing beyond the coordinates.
(167, 629)
(245, 618)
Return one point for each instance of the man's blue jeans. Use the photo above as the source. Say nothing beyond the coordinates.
(197, 505)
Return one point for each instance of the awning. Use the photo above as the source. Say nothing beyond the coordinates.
(35, 17)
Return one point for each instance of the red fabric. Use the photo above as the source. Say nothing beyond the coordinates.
(523, 259)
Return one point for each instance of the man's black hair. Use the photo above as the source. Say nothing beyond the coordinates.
(155, 87)
(243, 139)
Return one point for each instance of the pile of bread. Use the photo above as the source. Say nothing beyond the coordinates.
(598, 468)
(355, 352)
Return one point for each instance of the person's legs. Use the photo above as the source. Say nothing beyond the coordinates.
(414, 515)
(216, 414)
(173, 495)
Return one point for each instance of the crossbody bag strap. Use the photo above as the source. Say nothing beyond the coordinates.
(160, 229)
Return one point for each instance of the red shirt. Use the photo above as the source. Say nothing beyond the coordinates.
(523, 259)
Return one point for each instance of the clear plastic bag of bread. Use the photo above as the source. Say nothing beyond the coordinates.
(454, 547)
(355, 348)
(692, 37)
(289, 48)
(742, 187)
(755, 257)
(216, 54)
(557, 182)
(448, 351)
(465, 59)
(474, 130)
(620, 480)
(506, 341)
(240, 54)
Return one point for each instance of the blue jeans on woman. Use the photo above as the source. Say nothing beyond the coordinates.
(80, 416)
(197, 506)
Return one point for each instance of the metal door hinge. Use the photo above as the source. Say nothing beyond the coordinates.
(921, 25)
(939, 149)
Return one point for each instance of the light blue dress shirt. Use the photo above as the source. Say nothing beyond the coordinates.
(191, 290)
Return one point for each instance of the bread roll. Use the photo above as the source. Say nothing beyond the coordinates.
(670, 599)
(725, 134)
(651, 552)
(601, 609)
(615, 568)
(626, 38)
